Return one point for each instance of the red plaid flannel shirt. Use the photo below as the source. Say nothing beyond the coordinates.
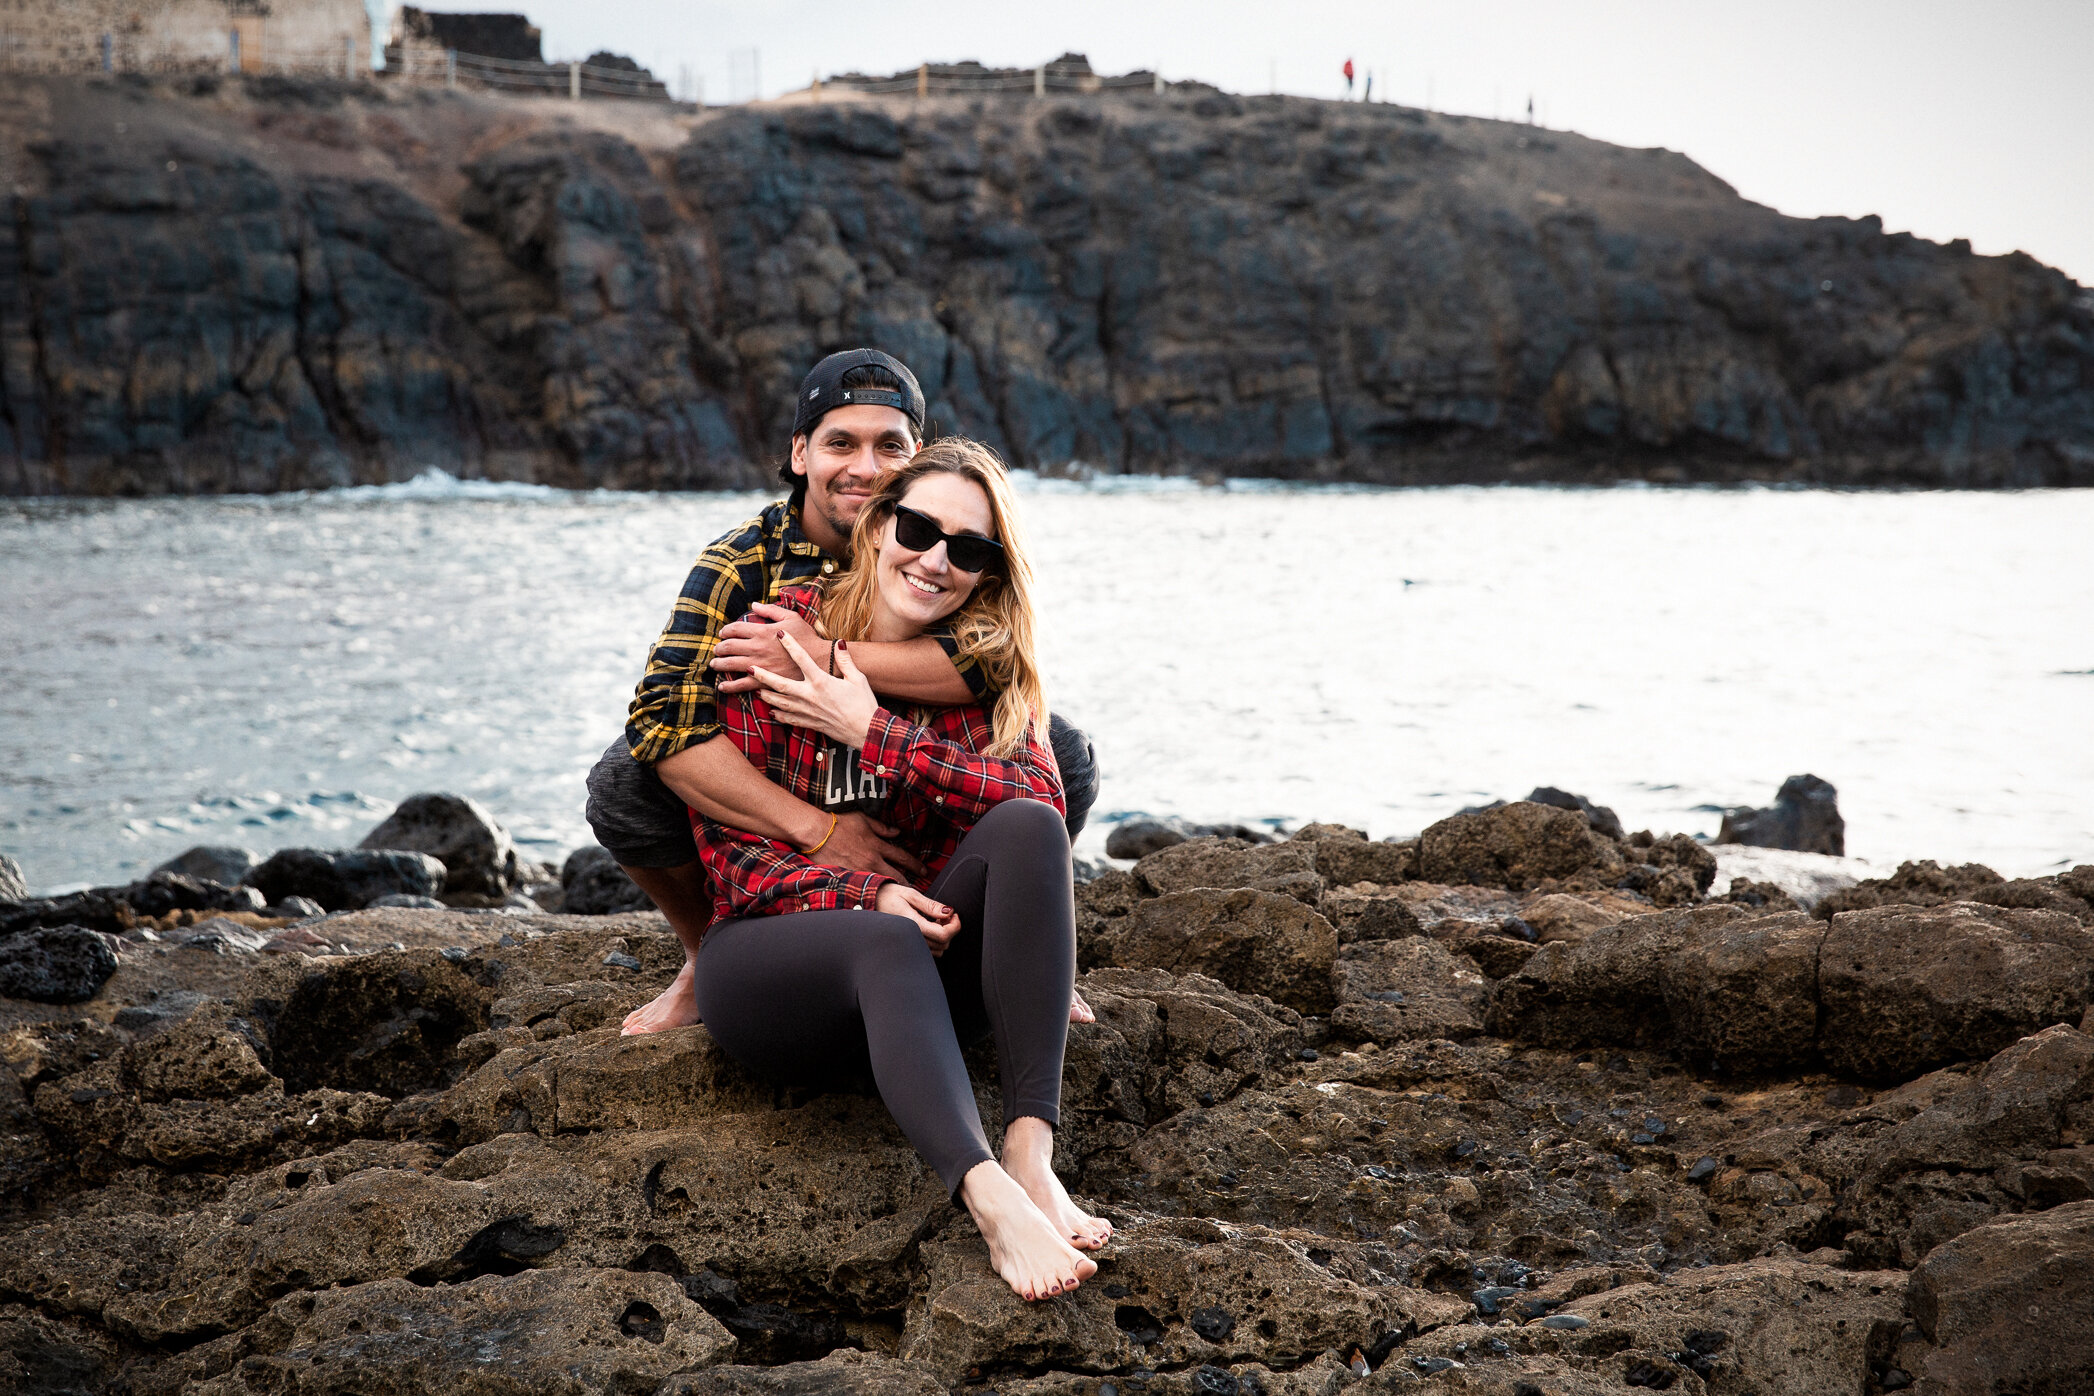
(939, 784)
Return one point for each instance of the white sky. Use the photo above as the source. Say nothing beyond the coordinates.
(1949, 120)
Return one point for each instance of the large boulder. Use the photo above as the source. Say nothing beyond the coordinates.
(222, 863)
(2009, 1307)
(592, 884)
(346, 880)
(1163, 1043)
(478, 857)
(1516, 846)
(1606, 989)
(1253, 941)
(1398, 990)
(60, 964)
(164, 892)
(1603, 819)
(1742, 995)
(1902, 990)
(1804, 818)
(1347, 856)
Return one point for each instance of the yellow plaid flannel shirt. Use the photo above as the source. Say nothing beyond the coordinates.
(675, 704)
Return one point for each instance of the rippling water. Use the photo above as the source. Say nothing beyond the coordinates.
(279, 671)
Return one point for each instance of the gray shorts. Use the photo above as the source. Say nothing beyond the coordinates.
(645, 825)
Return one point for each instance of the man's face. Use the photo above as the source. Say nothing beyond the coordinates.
(843, 458)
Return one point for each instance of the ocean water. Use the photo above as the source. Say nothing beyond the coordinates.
(280, 671)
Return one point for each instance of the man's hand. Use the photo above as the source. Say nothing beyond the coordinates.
(746, 645)
(841, 708)
(938, 923)
(862, 844)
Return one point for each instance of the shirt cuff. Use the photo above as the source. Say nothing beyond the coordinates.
(887, 740)
(651, 742)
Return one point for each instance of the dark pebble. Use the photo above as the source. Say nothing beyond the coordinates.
(1108, 1389)
(1308, 1054)
(1465, 1148)
(1116, 1291)
(1643, 1139)
(1514, 926)
(1227, 1180)
(1214, 1323)
(1571, 1117)
(1215, 1381)
(1375, 1170)
(508, 941)
(1429, 1366)
(453, 953)
(1570, 1321)
(1895, 1379)
(1712, 1101)
(1535, 1308)
(1617, 1063)
(1487, 1301)
(1703, 1169)
(1654, 1124)
(1499, 1346)
(618, 959)
(1387, 995)
(1206, 1097)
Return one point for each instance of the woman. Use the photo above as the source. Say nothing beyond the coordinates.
(808, 966)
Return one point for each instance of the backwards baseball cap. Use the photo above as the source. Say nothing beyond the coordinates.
(823, 390)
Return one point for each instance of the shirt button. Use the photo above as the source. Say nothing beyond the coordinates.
(828, 566)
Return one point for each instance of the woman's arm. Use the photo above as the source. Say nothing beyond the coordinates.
(954, 774)
(762, 877)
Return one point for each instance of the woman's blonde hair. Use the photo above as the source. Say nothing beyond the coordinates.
(995, 625)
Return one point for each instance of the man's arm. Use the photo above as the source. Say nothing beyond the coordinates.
(921, 670)
(717, 780)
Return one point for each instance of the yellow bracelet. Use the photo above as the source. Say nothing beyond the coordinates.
(810, 852)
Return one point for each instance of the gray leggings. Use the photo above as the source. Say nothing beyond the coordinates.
(796, 997)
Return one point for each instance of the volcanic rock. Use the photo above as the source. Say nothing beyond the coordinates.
(1923, 883)
(1288, 868)
(1394, 990)
(1743, 995)
(346, 880)
(2009, 1306)
(592, 884)
(479, 859)
(1605, 989)
(1903, 990)
(1804, 817)
(1347, 856)
(1603, 819)
(1256, 942)
(62, 964)
(845, 1372)
(590, 1332)
(1138, 838)
(1516, 846)
(227, 864)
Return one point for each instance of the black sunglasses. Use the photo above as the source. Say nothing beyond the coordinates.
(919, 533)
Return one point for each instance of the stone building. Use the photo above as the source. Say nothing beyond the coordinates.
(155, 35)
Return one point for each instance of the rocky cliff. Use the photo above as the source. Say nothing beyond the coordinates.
(265, 285)
(1512, 1108)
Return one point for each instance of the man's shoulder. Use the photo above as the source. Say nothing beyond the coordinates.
(753, 536)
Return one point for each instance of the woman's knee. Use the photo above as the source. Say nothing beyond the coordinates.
(1029, 820)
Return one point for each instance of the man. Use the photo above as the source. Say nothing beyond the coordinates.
(859, 413)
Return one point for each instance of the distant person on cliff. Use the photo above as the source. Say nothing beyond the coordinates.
(811, 966)
(859, 414)
(1348, 79)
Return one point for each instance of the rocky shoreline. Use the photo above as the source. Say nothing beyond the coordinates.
(271, 284)
(1514, 1107)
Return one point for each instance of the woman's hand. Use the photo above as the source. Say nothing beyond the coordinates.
(840, 707)
(938, 923)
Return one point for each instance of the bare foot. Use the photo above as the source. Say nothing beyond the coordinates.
(1079, 1011)
(674, 1007)
(1023, 1245)
(1028, 1156)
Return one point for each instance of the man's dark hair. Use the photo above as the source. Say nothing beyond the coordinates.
(864, 376)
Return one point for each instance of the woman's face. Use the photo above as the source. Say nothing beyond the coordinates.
(920, 589)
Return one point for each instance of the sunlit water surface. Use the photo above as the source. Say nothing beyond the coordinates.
(279, 671)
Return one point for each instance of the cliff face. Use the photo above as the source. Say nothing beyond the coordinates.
(269, 286)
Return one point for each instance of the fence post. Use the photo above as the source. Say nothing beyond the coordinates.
(108, 54)
(450, 67)
(923, 80)
(232, 50)
(1159, 84)
(574, 80)
(1039, 81)
(348, 58)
